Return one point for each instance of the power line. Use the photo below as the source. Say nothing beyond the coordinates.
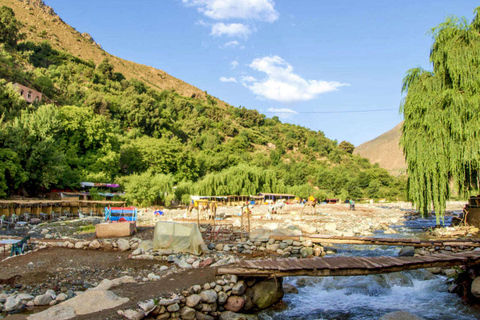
(342, 111)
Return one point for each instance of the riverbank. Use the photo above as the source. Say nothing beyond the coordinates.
(88, 261)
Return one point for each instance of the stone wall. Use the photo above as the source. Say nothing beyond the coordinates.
(227, 298)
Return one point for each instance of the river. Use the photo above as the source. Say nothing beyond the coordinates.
(369, 297)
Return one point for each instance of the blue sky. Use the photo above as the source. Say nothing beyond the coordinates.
(307, 61)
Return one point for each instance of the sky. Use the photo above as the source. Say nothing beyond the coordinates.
(331, 66)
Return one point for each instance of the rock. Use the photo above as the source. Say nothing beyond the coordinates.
(400, 315)
(289, 288)
(43, 300)
(219, 247)
(450, 273)
(234, 303)
(237, 223)
(173, 307)
(95, 244)
(146, 245)
(108, 284)
(475, 289)
(209, 296)
(68, 244)
(239, 289)
(123, 244)
(273, 247)
(229, 315)
(267, 293)
(133, 314)
(306, 251)
(163, 316)
(222, 297)
(13, 304)
(193, 300)
(136, 252)
(206, 262)
(147, 306)
(187, 313)
(407, 251)
(61, 297)
(182, 263)
(202, 316)
(25, 297)
(330, 226)
(153, 277)
(59, 312)
(79, 245)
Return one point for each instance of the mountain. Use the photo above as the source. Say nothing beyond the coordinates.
(42, 23)
(385, 150)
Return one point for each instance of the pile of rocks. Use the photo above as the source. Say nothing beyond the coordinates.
(225, 299)
(18, 301)
(285, 248)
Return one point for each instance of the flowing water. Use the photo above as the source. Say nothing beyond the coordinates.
(370, 297)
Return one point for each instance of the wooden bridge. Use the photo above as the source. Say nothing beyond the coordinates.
(318, 238)
(346, 266)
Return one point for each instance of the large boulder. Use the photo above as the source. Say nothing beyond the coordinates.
(400, 315)
(407, 251)
(267, 293)
(43, 300)
(13, 304)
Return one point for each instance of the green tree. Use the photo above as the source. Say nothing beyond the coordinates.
(346, 146)
(9, 27)
(441, 111)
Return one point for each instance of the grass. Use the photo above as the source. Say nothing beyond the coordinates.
(86, 229)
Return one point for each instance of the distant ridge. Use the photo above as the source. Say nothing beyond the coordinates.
(385, 151)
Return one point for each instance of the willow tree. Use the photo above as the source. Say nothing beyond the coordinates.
(441, 132)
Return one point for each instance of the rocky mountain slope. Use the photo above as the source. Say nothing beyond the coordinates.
(385, 151)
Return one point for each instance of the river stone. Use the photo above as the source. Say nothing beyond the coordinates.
(202, 316)
(222, 297)
(94, 245)
(239, 288)
(43, 300)
(234, 303)
(475, 289)
(289, 288)
(407, 251)
(61, 297)
(193, 300)
(12, 304)
(173, 307)
(25, 297)
(131, 314)
(123, 244)
(107, 284)
(209, 296)
(229, 315)
(400, 315)
(267, 293)
(147, 306)
(187, 313)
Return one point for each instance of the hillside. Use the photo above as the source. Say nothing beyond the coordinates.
(385, 151)
(116, 121)
(40, 23)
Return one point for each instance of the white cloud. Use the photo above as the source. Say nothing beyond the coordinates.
(248, 79)
(234, 64)
(282, 84)
(282, 112)
(224, 79)
(262, 10)
(238, 30)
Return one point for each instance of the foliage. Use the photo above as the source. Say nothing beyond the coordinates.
(441, 111)
(346, 146)
(105, 127)
(9, 27)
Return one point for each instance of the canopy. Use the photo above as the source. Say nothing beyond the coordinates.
(180, 237)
